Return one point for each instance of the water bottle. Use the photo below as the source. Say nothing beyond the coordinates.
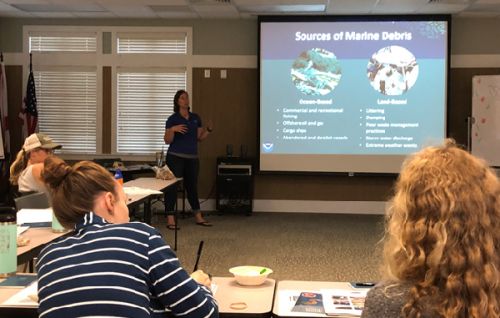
(56, 226)
(8, 243)
(119, 176)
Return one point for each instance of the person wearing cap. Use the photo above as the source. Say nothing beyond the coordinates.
(25, 171)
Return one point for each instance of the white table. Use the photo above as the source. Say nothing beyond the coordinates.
(25, 311)
(283, 304)
(151, 184)
(257, 300)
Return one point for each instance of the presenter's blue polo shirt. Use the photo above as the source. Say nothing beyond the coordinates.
(184, 143)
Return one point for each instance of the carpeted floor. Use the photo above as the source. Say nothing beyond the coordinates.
(297, 246)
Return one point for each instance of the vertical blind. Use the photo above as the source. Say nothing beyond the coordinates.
(67, 108)
(144, 102)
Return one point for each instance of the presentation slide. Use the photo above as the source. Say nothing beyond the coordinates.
(350, 96)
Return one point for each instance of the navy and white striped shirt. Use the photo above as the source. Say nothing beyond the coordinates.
(117, 270)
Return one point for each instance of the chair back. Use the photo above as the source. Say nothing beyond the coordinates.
(38, 200)
(7, 210)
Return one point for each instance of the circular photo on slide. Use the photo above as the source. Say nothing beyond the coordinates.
(316, 72)
(393, 70)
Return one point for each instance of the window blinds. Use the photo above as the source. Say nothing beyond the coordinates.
(60, 43)
(67, 108)
(144, 102)
(168, 43)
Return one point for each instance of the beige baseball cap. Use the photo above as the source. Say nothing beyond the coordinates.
(39, 141)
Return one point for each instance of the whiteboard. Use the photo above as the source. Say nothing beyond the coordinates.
(485, 131)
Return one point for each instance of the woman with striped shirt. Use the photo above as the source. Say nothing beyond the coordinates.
(109, 266)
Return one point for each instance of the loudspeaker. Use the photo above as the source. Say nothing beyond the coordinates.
(229, 150)
(243, 151)
(234, 191)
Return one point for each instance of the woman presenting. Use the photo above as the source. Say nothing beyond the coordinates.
(183, 130)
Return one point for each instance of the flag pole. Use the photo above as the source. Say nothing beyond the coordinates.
(31, 62)
(1, 56)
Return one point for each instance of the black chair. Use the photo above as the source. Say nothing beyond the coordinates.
(107, 162)
(7, 210)
(37, 200)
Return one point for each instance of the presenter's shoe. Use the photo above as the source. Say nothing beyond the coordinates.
(204, 223)
(172, 227)
(198, 218)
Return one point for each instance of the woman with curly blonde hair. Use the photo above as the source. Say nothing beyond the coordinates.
(442, 241)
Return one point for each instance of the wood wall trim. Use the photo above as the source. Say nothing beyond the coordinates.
(14, 75)
(106, 109)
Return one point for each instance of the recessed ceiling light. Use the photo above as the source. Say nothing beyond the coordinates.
(289, 8)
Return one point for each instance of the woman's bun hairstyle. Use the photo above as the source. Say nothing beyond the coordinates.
(73, 189)
(55, 171)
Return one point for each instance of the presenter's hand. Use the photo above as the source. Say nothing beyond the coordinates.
(180, 128)
(210, 125)
(201, 278)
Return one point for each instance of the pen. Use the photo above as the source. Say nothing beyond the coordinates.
(200, 248)
(364, 284)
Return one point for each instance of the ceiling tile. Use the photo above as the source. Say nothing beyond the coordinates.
(469, 14)
(216, 11)
(487, 2)
(484, 7)
(245, 15)
(57, 15)
(26, 1)
(350, 7)
(96, 15)
(175, 15)
(169, 8)
(135, 14)
(142, 3)
(6, 7)
(441, 8)
(73, 2)
(130, 11)
(397, 6)
(15, 14)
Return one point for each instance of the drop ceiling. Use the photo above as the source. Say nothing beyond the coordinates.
(238, 9)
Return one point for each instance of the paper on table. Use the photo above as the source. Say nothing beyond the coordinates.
(19, 280)
(213, 288)
(21, 229)
(25, 297)
(287, 300)
(344, 303)
(25, 216)
(138, 190)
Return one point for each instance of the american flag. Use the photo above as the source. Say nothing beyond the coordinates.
(29, 113)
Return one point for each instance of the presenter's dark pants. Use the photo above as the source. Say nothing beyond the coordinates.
(187, 169)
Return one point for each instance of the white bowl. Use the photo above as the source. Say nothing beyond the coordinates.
(250, 275)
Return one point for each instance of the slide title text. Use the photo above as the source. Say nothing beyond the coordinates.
(353, 36)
